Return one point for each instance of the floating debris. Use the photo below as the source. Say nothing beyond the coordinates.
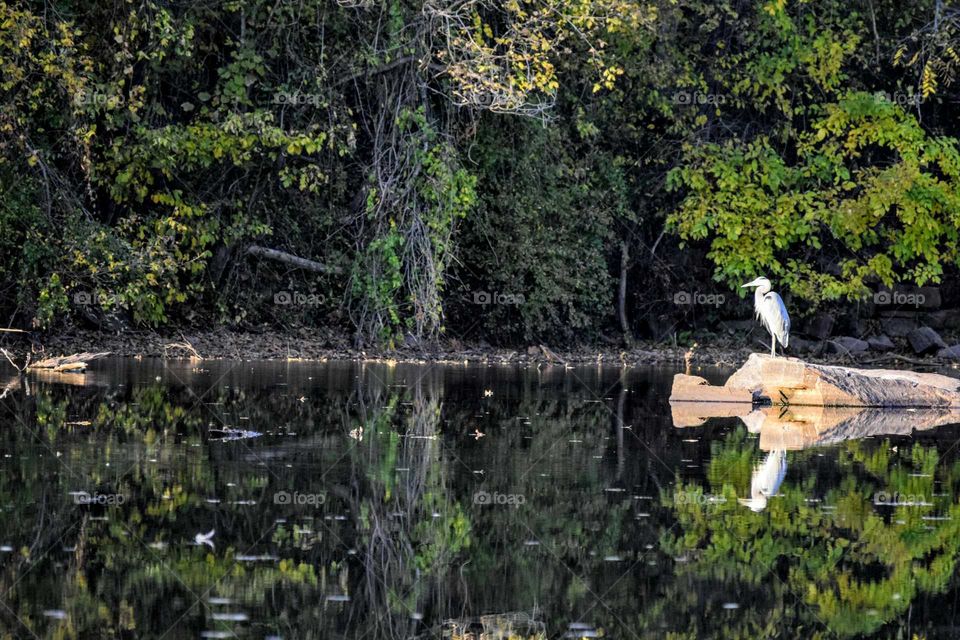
(230, 617)
(338, 598)
(230, 434)
(205, 538)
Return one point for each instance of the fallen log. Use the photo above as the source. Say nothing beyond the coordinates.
(790, 381)
(289, 258)
(73, 363)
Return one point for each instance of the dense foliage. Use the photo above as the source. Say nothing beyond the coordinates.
(467, 168)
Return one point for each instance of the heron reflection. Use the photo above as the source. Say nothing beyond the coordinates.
(766, 480)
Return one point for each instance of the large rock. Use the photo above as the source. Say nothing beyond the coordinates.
(791, 381)
(847, 345)
(943, 319)
(951, 353)
(925, 340)
(799, 345)
(898, 327)
(881, 343)
(819, 326)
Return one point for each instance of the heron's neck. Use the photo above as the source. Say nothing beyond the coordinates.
(758, 294)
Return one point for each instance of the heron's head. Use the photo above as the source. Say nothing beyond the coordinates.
(759, 282)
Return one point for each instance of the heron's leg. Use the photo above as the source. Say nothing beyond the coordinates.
(773, 346)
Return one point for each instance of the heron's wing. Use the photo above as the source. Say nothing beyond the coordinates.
(774, 316)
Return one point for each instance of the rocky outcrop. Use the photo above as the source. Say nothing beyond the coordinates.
(789, 381)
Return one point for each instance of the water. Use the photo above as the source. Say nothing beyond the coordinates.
(294, 500)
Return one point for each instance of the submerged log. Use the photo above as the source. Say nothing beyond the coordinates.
(790, 381)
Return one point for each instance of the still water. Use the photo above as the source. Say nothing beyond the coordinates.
(289, 500)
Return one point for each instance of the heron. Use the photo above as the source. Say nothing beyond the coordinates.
(771, 312)
(766, 480)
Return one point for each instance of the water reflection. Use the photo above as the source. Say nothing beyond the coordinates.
(297, 501)
(766, 480)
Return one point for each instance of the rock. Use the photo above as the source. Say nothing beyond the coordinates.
(881, 343)
(951, 353)
(819, 326)
(699, 390)
(791, 381)
(898, 327)
(943, 319)
(925, 340)
(533, 351)
(737, 326)
(862, 327)
(799, 345)
(846, 344)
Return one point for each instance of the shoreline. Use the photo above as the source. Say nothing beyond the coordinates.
(319, 346)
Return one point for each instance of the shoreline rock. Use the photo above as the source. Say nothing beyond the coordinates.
(793, 382)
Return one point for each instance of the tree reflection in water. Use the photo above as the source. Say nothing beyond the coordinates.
(359, 500)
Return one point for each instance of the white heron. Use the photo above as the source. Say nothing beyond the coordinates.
(771, 312)
(766, 480)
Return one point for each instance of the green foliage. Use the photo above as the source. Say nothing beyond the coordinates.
(867, 182)
(426, 152)
(541, 234)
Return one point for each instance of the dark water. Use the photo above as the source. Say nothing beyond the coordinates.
(286, 500)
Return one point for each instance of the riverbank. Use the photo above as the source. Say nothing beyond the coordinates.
(321, 345)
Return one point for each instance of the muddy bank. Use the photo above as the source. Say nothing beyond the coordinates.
(320, 345)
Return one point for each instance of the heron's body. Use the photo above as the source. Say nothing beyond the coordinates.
(771, 312)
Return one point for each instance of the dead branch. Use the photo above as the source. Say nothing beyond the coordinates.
(289, 258)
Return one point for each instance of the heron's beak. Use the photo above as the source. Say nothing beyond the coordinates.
(750, 284)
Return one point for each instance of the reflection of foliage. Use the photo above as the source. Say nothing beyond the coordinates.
(399, 532)
(854, 567)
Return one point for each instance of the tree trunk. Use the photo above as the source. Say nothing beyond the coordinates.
(622, 295)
